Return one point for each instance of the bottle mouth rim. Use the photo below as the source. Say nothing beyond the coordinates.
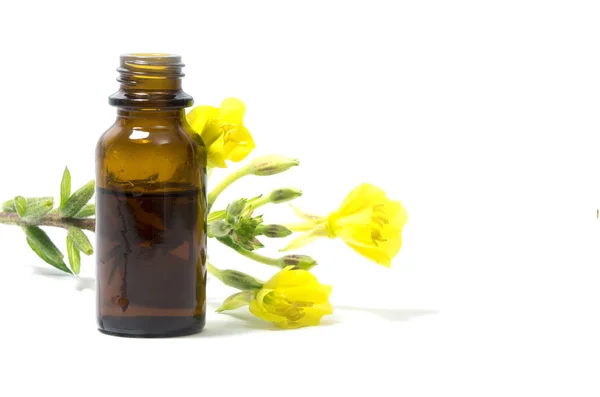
(150, 55)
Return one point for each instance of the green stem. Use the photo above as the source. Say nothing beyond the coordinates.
(260, 202)
(9, 218)
(300, 227)
(250, 254)
(229, 179)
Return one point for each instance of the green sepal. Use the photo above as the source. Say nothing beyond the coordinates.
(237, 300)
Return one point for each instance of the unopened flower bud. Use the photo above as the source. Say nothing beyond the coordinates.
(303, 262)
(285, 194)
(273, 231)
(239, 280)
(271, 165)
(234, 210)
(219, 228)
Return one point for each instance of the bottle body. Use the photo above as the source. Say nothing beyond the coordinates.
(150, 225)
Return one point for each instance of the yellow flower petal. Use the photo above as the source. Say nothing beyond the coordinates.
(232, 111)
(223, 132)
(370, 223)
(238, 144)
(200, 116)
(292, 299)
(363, 196)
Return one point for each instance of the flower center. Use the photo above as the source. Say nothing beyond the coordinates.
(378, 219)
(278, 304)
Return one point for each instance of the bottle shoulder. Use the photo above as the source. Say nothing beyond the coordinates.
(135, 152)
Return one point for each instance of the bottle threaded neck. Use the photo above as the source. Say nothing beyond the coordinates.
(150, 80)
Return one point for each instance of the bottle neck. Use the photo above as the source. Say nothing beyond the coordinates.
(151, 117)
(167, 114)
(150, 81)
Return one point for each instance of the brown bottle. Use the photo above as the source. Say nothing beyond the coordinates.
(150, 206)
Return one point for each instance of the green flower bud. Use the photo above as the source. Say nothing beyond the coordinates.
(273, 231)
(285, 194)
(220, 228)
(239, 280)
(271, 165)
(303, 262)
(234, 210)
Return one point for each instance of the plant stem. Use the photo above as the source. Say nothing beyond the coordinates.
(259, 202)
(229, 179)
(9, 218)
(300, 227)
(250, 254)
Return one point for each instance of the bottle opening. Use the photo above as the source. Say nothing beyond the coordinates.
(150, 80)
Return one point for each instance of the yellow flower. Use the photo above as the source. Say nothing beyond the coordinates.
(368, 221)
(292, 299)
(223, 132)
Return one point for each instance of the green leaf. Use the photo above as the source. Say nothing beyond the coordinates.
(80, 240)
(37, 209)
(41, 244)
(236, 300)
(78, 200)
(9, 206)
(65, 188)
(20, 205)
(87, 211)
(74, 257)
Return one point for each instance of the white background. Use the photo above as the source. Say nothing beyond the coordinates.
(481, 116)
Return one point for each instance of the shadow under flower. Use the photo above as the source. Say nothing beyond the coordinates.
(389, 314)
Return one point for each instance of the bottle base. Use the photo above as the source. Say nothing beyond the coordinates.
(150, 326)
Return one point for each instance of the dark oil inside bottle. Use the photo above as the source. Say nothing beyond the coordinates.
(150, 255)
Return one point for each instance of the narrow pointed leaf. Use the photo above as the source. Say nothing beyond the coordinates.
(87, 211)
(37, 209)
(9, 206)
(20, 205)
(41, 244)
(73, 255)
(78, 200)
(65, 188)
(80, 240)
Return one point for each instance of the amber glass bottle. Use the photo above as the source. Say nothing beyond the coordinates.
(151, 206)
